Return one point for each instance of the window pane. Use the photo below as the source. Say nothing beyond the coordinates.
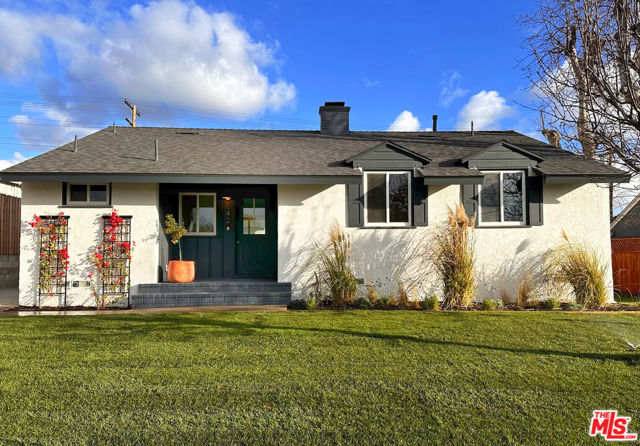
(207, 213)
(490, 198)
(253, 216)
(376, 198)
(189, 212)
(98, 192)
(512, 196)
(399, 198)
(78, 192)
(259, 213)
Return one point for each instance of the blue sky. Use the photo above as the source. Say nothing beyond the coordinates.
(65, 67)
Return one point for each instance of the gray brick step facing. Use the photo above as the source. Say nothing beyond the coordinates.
(221, 292)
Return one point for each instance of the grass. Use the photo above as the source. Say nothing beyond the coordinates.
(344, 377)
(622, 297)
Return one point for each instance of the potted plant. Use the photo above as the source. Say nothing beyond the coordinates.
(179, 271)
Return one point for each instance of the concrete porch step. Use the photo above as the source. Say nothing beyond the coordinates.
(209, 293)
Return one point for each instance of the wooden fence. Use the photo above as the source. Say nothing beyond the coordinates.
(9, 225)
(625, 259)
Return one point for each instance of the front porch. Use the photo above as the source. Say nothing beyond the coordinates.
(211, 293)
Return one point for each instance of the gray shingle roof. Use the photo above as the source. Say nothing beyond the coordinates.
(279, 152)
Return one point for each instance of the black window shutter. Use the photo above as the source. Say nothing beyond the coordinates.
(420, 198)
(470, 199)
(64, 193)
(535, 201)
(355, 205)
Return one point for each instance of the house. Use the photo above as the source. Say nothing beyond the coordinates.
(255, 202)
(625, 248)
(9, 234)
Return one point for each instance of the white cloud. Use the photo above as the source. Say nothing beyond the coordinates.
(450, 87)
(405, 122)
(51, 128)
(17, 158)
(166, 51)
(485, 109)
(370, 83)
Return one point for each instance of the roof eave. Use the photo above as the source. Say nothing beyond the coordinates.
(181, 178)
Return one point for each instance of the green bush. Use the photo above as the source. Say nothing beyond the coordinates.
(572, 306)
(362, 302)
(297, 304)
(430, 303)
(386, 301)
(491, 304)
(551, 303)
(312, 303)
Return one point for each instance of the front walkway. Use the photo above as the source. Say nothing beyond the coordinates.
(145, 310)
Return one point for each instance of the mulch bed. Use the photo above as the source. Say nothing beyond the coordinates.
(301, 305)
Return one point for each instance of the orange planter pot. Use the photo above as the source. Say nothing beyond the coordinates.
(181, 271)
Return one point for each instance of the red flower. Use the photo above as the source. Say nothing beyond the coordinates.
(90, 275)
(42, 256)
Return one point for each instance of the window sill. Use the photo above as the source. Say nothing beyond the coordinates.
(387, 227)
(84, 206)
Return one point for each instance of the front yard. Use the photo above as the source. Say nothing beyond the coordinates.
(349, 377)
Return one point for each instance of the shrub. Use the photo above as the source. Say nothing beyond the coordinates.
(372, 293)
(491, 304)
(430, 303)
(580, 267)
(362, 302)
(386, 301)
(174, 231)
(525, 295)
(504, 296)
(572, 306)
(297, 304)
(452, 253)
(403, 296)
(312, 303)
(551, 303)
(335, 266)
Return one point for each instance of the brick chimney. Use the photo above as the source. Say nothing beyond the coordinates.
(334, 119)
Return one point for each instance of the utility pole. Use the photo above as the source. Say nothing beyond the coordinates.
(134, 113)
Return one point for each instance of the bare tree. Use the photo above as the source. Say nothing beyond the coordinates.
(584, 66)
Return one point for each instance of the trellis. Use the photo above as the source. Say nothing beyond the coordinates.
(119, 261)
(52, 243)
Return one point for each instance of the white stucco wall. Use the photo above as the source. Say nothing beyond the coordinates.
(138, 200)
(504, 255)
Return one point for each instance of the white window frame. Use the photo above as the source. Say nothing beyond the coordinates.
(388, 223)
(524, 200)
(88, 200)
(215, 212)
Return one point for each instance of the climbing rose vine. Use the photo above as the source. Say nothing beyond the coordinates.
(110, 278)
(50, 233)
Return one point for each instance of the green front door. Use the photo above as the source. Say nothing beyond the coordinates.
(256, 233)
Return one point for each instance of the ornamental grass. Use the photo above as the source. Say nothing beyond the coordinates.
(335, 266)
(452, 253)
(579, 266)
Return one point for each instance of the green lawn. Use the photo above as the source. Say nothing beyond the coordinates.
(351, 377)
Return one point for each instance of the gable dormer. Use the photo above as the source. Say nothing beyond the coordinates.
(501, 155)
(388, 155)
